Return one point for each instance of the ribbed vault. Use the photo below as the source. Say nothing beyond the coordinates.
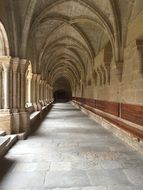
(67, 35)
(63, 37)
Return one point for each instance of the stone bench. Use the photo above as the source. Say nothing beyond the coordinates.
(6, 142)
(34, 117)
(3, 142)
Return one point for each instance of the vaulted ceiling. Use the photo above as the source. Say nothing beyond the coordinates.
(62, 37)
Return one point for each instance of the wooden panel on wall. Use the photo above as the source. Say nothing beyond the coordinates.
(90, 102)
(133, 113)
(108, 107)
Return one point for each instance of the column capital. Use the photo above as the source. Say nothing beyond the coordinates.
(34, 76)
(38, 77)
(15, 63)
(23, 65)
(40, 81)
(5, 62)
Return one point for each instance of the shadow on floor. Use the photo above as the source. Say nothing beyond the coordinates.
(5, 166)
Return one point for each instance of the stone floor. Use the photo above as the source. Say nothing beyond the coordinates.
(69, 151)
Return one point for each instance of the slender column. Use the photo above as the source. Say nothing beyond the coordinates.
(6, 68)
(23, 68)
(15, 67)
(42, 90)
(48, 92)
(29, 79)
(45, 91)
(38, 87)
(34, 78)
(0, 86)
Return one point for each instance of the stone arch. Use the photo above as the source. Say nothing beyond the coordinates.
(4, 44)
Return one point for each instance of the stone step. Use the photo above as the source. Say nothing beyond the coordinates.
(2, 133)
(3, 143)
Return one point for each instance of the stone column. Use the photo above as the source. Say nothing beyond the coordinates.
(38, 87)
(15, 67)
(46, 92)
(15, 95)
(5, 112)
(40, 90)
(6, 68)
(34, 78)
(29, 80)
(0, 86)
(23, 68)
(24, 116)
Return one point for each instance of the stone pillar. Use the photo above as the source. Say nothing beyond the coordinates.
(42, 94)
(0, 86)
(48, 95)
(5, 112)
(6, 68)
(23, 68)
(38, 87)
(15, 67)
(29, 81)
(15, 96)
(39, 107)
(24, 116)
(34, 79)
(46, 92)
(40, 90)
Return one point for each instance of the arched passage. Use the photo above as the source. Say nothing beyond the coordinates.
(62, 90)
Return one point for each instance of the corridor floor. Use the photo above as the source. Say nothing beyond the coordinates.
(69, 151)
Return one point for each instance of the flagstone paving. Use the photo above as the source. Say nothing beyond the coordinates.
(69, 151)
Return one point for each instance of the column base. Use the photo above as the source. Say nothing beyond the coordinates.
(24, 122)
(15, 122)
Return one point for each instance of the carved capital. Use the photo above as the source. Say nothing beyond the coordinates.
(34, 76)
(23, 66)
(38, 78)
(15, 64)
(5, 61)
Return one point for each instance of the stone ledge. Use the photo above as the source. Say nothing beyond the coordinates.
(3, 142)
